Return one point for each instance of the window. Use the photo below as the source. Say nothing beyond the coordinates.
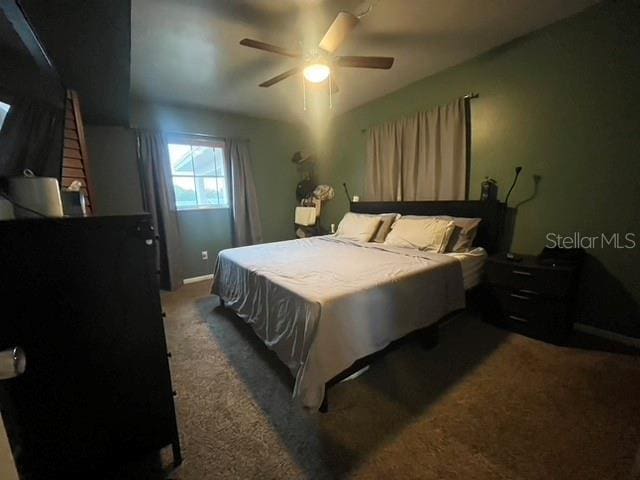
(197, 170)
(4, 109)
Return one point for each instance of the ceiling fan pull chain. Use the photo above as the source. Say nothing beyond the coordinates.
(367, 11)
(330, 91)
(304, 93)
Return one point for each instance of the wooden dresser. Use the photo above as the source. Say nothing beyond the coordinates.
(80, 296)
(531, 298)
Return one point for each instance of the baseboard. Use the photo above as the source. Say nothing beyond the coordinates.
(616, 337)
(201, 278)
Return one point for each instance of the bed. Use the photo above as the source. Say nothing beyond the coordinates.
(323, 304)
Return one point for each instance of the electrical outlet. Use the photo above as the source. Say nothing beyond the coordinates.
(205, 255)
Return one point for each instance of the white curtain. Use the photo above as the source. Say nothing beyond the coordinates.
(422, 157)
(246, 228)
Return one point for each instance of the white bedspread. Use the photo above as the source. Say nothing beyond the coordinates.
(472, 263)
(322, 303)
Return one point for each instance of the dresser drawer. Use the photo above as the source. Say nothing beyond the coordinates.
(530, 281)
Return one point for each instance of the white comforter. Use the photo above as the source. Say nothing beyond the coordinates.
(322, 303)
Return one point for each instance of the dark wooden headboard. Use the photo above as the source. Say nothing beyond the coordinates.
(491, 213)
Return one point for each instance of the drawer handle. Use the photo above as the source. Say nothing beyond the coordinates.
(529, 292)
(518, 319)
(523, 273)
(520, 297)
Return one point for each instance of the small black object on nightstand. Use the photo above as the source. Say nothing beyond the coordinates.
(530, 297)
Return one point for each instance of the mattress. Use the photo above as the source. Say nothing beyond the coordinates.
(472, 263)
(322, 303)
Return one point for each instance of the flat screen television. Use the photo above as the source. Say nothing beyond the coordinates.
(32, 99)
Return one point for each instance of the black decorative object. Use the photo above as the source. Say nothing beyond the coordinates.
(299, 158)
(561, 256)
(304, 189)
(488, 190)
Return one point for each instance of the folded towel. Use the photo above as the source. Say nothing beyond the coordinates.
(305, 216)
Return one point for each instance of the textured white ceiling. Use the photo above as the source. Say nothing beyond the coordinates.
(186, 51)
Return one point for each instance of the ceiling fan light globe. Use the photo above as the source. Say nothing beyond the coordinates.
(317, 72)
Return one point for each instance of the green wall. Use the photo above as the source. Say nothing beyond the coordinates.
(563, 102)
(272, 145)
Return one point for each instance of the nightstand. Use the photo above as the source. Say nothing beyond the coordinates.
(310, 231)
(531, 298)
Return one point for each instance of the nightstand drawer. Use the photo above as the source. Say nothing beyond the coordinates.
(537, 316)
(529, 306)
(554, 329)
(530, 280)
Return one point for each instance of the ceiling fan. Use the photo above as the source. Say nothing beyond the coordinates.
(317, 65)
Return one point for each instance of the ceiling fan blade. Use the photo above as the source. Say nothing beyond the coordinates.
(365, 62)
(281, 77)
(338, 31)
(247, 42)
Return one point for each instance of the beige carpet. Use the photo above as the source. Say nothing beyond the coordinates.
(483, 404)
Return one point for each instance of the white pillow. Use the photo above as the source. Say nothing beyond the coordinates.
(463, 234)
(358, 227)
(424, 234)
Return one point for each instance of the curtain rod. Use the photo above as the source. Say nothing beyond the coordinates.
(468, 96)
(204, 135)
